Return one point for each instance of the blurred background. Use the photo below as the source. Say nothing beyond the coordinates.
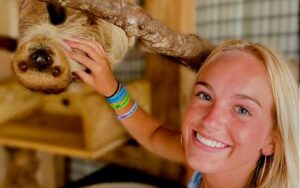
(274, 23)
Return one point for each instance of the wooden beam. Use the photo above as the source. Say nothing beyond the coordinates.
(164, 74)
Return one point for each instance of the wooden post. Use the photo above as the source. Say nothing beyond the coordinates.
(166, 76)
(31, 169)
(21, 170)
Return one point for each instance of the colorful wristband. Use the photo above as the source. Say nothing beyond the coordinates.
(118, 96)
(121, 104)
(129, 113)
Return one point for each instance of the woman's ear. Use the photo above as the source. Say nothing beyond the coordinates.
(269, 147)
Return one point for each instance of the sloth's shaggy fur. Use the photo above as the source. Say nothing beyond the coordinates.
(37, 33)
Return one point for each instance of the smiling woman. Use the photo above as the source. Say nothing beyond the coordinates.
(240, 126)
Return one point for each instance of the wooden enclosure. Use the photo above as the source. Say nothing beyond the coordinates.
(77, 124)
(80, 124)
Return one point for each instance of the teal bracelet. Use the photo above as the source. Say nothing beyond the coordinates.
(121, 104)
(118, 96)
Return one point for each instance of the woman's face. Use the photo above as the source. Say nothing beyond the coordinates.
(227, 124)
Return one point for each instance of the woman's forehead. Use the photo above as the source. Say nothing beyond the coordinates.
(235, 56)
(235, 72)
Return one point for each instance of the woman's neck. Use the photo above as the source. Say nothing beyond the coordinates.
(231, 179)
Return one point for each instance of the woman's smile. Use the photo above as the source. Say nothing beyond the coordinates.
(207, 143)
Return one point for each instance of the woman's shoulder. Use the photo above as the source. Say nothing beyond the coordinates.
(196, 180)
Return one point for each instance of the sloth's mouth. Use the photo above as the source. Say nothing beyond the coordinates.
(51, 91)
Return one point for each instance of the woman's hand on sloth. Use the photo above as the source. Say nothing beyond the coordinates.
(100, 77)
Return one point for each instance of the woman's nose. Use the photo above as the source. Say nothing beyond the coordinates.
(215, 117)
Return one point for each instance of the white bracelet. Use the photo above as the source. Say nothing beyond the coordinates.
(129, 113)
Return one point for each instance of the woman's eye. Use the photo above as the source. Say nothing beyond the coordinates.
(204, 96)
(243, 111)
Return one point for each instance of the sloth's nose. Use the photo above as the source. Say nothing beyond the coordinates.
(41, 59)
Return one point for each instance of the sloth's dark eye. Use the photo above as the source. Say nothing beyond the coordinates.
(57, 14)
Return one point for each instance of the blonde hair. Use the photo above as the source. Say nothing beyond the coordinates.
(280, 170)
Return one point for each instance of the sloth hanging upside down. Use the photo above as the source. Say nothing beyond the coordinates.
(40, 62)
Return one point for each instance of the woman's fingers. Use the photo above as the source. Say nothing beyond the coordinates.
(84, 48)
(87, 47)
(92, 44)
(87, 78)
(101, 78)
(82, 59)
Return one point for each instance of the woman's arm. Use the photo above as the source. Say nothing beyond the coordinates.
(144, 128)
(155, 137)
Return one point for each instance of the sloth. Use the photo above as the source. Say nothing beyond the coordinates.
(40, 62)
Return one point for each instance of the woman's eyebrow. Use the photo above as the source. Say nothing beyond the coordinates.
(205, 84)
(242, 96)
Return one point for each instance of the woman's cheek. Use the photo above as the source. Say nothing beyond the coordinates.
(192, 116)
(243, 133)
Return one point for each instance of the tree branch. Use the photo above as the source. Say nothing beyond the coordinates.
(155, 37)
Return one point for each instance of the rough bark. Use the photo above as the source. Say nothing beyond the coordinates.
(154, 36)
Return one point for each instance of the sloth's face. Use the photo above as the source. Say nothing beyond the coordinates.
(41, 64)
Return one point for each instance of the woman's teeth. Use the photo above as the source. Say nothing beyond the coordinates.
(210, 143)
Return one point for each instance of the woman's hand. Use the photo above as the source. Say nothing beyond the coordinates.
(101, 77)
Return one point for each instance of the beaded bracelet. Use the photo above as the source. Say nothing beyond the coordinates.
(129, 113)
